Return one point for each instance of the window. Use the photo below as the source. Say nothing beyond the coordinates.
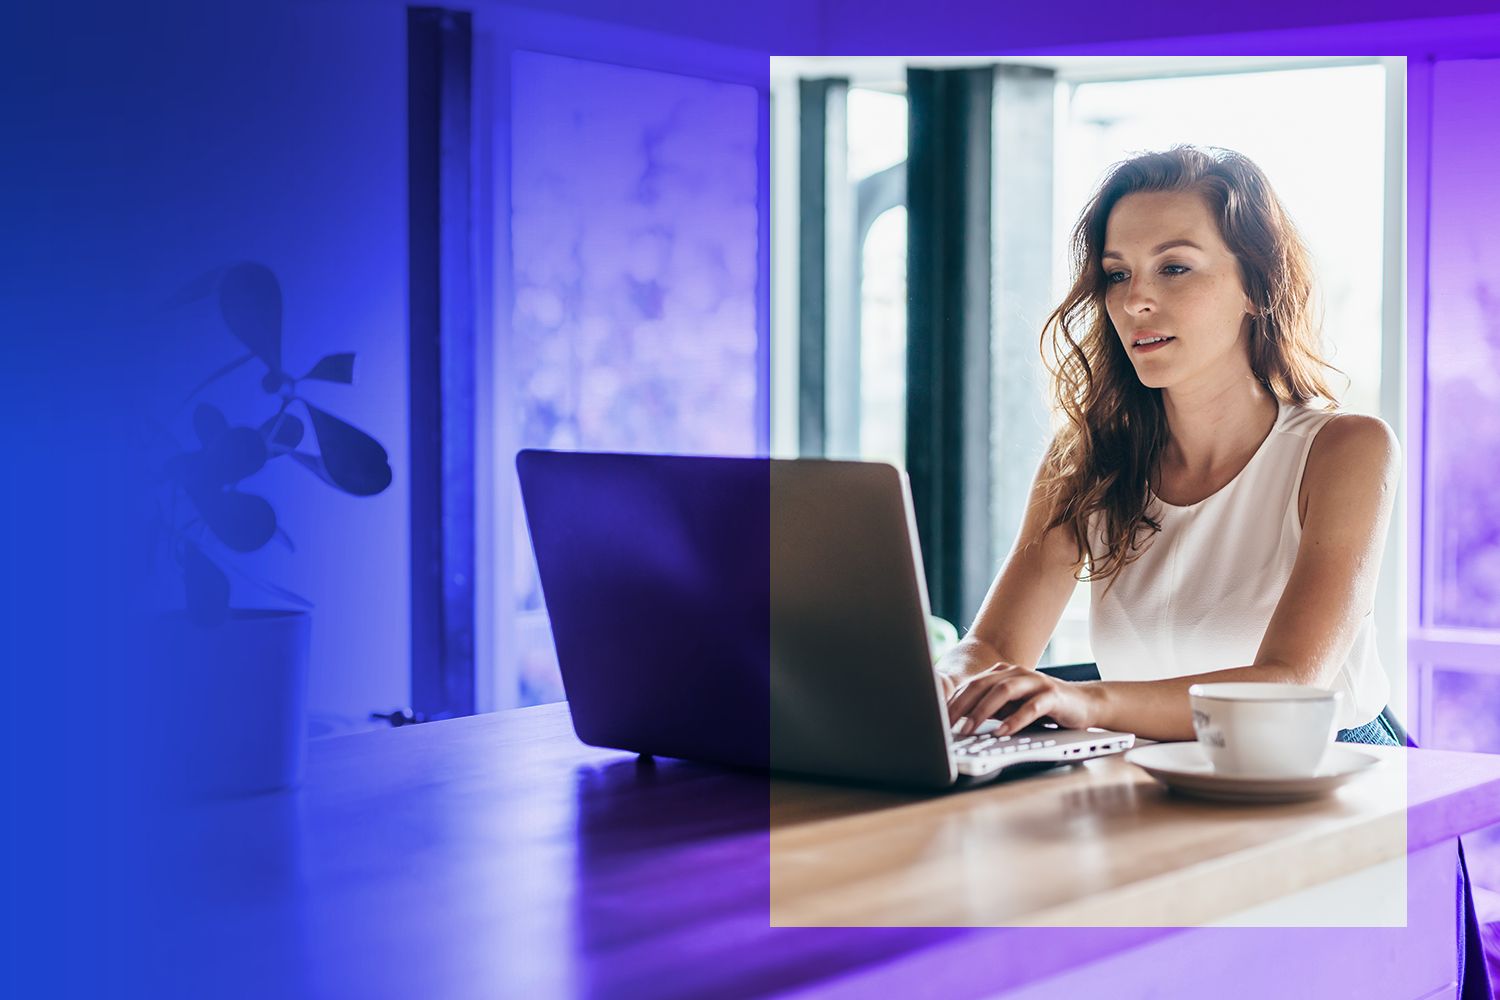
(1455, 648)
(625, 274)
(882, 340)
(1455, 641)
(1462, 530)
(877, 160)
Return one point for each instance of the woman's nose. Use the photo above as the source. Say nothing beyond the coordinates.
(1139, 295)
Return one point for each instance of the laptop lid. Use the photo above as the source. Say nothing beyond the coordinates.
(655, 573)
(853, 693)
(743, 611)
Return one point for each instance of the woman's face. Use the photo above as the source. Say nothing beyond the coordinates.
(1173, 290)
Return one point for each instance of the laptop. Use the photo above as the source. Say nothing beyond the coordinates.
(759, 613)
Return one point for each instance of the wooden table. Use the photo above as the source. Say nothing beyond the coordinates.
(1100, 844)
(497, 856)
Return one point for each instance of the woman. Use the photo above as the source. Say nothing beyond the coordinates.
(1229, 520)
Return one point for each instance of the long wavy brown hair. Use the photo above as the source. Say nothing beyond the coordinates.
(1102, 462)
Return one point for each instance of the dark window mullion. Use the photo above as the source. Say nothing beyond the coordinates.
(948, 357)
(440, 142)
(824, 199)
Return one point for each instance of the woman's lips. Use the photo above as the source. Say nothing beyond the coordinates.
(1156, 346)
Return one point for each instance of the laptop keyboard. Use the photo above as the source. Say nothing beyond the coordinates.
(994, 746)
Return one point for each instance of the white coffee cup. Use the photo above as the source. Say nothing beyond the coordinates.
(1257, 730)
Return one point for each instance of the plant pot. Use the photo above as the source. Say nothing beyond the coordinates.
(233, 703)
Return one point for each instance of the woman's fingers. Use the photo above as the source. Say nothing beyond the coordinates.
(985, 696)
(949, 684)
(1019, 697)
(966, 696)
(1017, 688)
(1027, 712)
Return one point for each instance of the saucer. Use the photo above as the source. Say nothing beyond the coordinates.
(1184, 769)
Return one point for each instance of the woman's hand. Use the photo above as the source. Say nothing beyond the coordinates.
(967, 659)
(1022, 696)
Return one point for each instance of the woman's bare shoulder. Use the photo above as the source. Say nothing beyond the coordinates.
(1352, 449)
(1356, 436)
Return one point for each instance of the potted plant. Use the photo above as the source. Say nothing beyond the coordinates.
(238, 690)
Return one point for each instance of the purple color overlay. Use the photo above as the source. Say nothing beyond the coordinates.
(1463, 354)
(412, 864)
(634, 273)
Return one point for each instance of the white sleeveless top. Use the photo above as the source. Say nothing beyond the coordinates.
(1201, 593)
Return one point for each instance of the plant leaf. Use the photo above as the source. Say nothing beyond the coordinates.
(238, 452)
(314, 464)
(354, 461)
(250, 299)
(242, 521)
(205, 586)
(209, 424)
(333, 368)
(283, 432)
(215, 376)
(200, 287)
(286, 595)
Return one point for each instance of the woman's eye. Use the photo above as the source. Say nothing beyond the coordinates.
(1176, 269)
(1114, 277)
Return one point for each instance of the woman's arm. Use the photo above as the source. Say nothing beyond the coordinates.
(1348, 489)
(1023, 605)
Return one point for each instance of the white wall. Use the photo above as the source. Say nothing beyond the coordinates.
(287, 146)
